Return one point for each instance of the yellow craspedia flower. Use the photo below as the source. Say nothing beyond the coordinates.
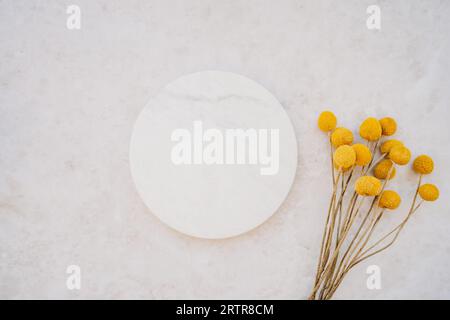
(423, 164)
(389, 144)
(340, 168)
(341, 136)
(388, 126)
(370, 129)
(344, 157)
(363, 154)
(327, 121)
(429, 192)
(400, 155)
(381, 170)
(368, 186)
(389, 199)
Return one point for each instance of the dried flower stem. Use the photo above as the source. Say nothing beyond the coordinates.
(335, 273)
(374, 163)
(331, 273)
(331, 156)
(373, 152)
(326, 229)
(363, 255)
(323, 276)
(412, 209)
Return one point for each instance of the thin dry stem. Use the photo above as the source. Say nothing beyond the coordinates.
(363, 255)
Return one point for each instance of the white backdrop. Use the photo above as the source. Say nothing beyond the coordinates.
(69, 99)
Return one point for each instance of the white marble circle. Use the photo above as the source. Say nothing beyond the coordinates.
(182, 160)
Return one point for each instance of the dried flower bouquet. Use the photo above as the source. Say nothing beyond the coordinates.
(358, 179)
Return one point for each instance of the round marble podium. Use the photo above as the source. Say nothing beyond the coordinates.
(213, 155)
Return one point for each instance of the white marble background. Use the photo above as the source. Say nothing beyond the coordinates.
(68, 101)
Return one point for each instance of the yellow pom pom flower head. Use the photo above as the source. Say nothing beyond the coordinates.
(344, 157)
(327, 121)
(337, 167)
(382, 169)
(389, 199)
(368, 186)
(423, 164)
(400, 155)
(370, 129)
(429, 192)
(389, 144)
(363, 154)
(341, 136)
(388, 126)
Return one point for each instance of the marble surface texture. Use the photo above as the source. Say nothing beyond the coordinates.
(69, 99)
